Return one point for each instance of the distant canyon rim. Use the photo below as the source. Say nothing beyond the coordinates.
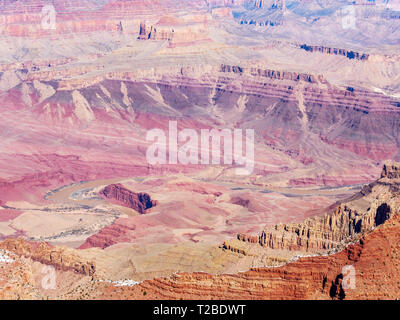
(307, 112)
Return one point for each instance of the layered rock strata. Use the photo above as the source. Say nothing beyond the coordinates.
(371, 207)
(140, 202)
(374, 259)
(336, 51)
(364, 230)
(59, 257)
(391, 170)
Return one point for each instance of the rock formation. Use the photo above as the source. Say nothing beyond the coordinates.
(375, 204)
(77, 101)
(372, 251)
(178, 32)
(374, 259)
(391, 171)
(343, 52)
(141, 202)
(58, 257)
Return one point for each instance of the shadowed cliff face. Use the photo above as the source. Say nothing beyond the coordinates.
(391, 171)
(371, 251)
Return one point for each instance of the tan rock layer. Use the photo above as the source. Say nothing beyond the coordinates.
(391, 170)
(374, 259)
(318, 234)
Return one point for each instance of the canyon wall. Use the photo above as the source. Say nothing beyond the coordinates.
(371, 248)
(59, 257)
(371, 251)
(375, 204)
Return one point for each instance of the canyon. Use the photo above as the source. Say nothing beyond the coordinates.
(370, 250)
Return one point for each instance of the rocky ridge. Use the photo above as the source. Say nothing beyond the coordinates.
(374, 259)
(370, 247)
(336, 51)
(59, 257)
(141, 202)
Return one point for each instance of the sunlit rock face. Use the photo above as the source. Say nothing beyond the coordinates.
(316, 81)
(141, 202)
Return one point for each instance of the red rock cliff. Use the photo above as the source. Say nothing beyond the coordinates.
(140, 202)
